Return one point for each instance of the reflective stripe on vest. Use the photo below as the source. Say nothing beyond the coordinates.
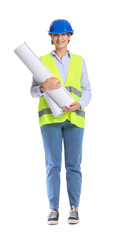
(48, 111)
(73, 90)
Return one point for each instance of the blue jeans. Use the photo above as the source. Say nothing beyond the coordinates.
(52, 135)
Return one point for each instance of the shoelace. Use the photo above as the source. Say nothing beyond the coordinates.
(73, 214)
(52, 214)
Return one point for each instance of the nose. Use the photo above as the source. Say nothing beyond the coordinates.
(59, 36)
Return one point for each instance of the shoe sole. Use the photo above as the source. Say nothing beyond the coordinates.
(52, 222)
(71, 221)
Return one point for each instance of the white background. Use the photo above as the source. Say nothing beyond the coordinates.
(23, 202)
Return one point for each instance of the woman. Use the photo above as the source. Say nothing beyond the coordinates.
(70, 71)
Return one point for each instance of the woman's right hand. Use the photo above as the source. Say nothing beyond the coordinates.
(52, 83)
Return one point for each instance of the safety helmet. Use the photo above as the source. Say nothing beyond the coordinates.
(60, 26)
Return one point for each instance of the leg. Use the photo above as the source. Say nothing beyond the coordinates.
(52, 140)
(73, 137)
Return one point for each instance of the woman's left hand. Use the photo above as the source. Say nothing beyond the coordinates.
(73, 106)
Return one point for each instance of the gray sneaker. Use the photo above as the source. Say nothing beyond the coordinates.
(53, 217)
(73, 216)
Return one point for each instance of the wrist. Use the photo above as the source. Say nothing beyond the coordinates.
(80, 105)
(42, 89)
(44, 86)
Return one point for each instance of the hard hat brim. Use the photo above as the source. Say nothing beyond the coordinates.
(60, 32)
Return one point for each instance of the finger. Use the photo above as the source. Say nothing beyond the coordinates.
(68, 107)
(53, 78)
(65, 110)
(58, 84)
(74, 103)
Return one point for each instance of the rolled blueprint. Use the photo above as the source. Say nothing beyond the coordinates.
(56, 98)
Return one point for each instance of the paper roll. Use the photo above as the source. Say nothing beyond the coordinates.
(56, 98)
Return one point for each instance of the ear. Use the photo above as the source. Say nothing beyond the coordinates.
(69, 36)
(51, 36)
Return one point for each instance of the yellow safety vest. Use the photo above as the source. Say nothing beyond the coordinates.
(72, 84)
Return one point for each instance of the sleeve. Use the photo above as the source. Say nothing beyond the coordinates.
(85, 87)
(35, 89)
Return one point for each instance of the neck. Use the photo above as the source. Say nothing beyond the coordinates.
(61, 52)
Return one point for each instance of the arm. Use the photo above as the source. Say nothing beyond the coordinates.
(85, 87)
(86, 92)
(50, 83)
(36, 90)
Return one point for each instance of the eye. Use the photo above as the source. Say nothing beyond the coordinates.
(55, 34)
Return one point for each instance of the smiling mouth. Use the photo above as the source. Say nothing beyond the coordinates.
(59, 42)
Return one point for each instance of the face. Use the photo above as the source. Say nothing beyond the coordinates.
(60, 40)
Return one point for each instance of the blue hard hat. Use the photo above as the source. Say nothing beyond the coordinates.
(60, 26)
